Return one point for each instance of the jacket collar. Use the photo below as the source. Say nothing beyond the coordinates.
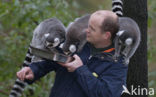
(105, 54)
(94, 50)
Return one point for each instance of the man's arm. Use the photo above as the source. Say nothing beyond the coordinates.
(36, 70)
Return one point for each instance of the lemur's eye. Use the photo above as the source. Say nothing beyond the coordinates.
(77, 44)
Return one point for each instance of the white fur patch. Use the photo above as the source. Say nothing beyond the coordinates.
(46, 35)
(72, 48)
(120, 33)
(117, 1)
(56, 42)
(119, 12)
(117, 6)
(129, 41)
(16, 92)
(61, 45)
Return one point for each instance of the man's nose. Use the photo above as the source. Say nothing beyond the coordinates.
(87, 30)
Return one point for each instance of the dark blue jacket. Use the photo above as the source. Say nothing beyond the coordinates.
(100, 76)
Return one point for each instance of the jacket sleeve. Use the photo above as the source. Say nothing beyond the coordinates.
(42, 68)
(108, 84)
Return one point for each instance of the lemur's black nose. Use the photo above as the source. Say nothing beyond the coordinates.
(49, 44)
(67, 53)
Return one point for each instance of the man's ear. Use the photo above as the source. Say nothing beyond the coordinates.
(107, 35)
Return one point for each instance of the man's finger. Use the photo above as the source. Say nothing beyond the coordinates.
(76, 56)
(62, 64)
(18, 75)
(23, 75)
(29, 76)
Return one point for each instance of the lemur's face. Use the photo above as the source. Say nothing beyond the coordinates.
(70, 46)
(54, 39)
(75, 40)
(76, 35)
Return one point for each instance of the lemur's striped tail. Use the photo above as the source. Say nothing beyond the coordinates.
(117, 7)
(19, 85)
(17, 89)
(28, 58)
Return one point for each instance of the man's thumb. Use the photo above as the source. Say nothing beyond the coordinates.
(75, 56)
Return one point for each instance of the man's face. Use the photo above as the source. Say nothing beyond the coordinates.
(94, 33)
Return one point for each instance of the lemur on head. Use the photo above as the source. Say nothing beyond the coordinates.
(47, 35)
(76, 35)
(127, 39)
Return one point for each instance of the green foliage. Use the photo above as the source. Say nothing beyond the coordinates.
(151, 44)
(152, 81)
(151, 11)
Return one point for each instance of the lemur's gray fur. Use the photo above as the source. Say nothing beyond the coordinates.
(76, 35)
(47, 35)
(127, 39)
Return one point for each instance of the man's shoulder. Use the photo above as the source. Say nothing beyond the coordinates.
(110, 65)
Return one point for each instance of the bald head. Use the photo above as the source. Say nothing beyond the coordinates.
(105, 13)
(107, 21)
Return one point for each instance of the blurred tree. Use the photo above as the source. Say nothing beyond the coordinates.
(137, 72)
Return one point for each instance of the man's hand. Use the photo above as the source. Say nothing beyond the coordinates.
(72, 66)
(25, 73)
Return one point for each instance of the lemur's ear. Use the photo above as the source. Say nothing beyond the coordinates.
(120, 32)
(46, 35)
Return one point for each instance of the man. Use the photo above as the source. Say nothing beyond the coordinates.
(93, 72)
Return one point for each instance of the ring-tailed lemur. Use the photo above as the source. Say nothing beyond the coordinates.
(47, 35)
(76, 35)
(128, 38)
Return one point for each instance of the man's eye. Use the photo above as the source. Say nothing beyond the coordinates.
(90, 29)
